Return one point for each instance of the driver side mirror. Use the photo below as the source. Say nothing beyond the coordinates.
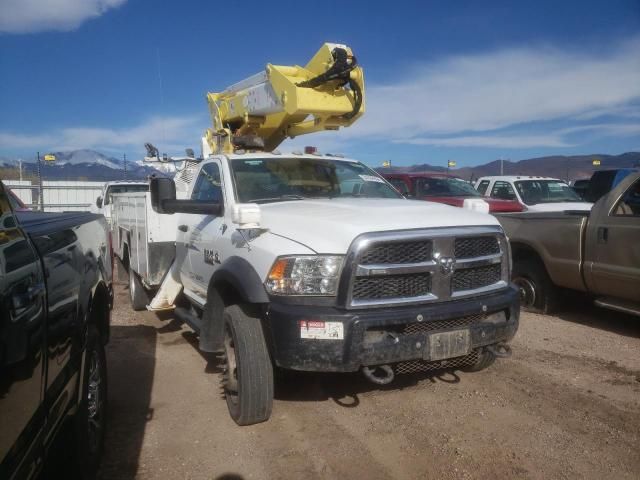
(99, 202)
(163, 200)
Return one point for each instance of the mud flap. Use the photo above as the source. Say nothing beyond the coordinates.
(168, 292)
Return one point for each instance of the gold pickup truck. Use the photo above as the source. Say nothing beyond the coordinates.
(596, 252)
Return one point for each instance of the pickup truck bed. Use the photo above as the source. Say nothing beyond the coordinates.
(40, 223)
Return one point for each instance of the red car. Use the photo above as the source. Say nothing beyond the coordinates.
(443, 188)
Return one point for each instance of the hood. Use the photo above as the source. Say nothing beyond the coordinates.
(559, 207)
(495, 204)
(330, 225)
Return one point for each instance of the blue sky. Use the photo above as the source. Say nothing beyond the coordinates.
(470, 81)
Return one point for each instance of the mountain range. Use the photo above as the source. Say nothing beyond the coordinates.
(92, 165)
(82, 164)
(556, 166)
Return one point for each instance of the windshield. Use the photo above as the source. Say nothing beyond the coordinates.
(545, 191)
(444, 187)
(124, 189)
(263, 180)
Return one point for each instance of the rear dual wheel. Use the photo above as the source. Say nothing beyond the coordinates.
(248, 375)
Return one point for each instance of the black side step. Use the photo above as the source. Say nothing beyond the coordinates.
(188, 317)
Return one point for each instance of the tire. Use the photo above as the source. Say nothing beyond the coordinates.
(90, 420)
(538, 294)
(248, 376)
(485, 360)
(137, 293)
(121, 269)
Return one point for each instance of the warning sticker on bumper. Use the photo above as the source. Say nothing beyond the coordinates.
(321, 330)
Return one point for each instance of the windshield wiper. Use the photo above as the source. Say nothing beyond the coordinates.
(277, 199)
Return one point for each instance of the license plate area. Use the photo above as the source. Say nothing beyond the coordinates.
(449, 344)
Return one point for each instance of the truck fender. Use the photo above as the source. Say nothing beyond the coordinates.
(235, 281)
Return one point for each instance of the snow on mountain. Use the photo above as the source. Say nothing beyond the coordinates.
(75, 157)
(86, 164)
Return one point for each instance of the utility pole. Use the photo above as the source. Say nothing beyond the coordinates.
(501, 166)
(124, 159)
(40, 195)
(20, 168)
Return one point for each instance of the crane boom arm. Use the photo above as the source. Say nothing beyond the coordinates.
(287, 101)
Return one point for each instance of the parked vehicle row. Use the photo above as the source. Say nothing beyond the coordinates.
(447, 189)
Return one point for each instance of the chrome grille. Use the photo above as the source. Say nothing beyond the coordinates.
(450, 324)
(414, 366)
(398, 252)
(411, 285)
(476, 247)
(474, 278)
(418, 266)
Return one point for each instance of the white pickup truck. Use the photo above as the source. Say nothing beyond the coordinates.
(316, 263)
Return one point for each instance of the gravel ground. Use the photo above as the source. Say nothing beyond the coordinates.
(566, 405)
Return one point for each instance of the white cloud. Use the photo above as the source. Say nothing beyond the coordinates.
(170, 134)
(500, 89)
(28, 16)
(495, 141)
(605, 129)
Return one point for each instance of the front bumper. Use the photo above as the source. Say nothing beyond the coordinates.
(383, 336)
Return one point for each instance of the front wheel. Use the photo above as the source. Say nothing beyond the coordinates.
(90, 420)
(248, 375)
(538, 294)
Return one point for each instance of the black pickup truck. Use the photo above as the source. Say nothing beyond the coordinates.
(55, 307)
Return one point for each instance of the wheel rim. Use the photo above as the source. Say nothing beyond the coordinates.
(94, 401)
(230, 376)
(132, 286)
(527, 290)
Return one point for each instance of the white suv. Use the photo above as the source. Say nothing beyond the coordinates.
(538, 194)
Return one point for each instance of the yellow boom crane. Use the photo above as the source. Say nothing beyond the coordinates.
(261, 111)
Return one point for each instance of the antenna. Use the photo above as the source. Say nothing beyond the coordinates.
(161, 94)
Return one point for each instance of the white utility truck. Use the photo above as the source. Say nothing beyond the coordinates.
(143, 242)
(314, 262)
(104, 202)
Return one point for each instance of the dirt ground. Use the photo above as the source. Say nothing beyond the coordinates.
(566, 405)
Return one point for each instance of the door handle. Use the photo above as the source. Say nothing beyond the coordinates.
(603, 234)
(183, 228)
(22, 300)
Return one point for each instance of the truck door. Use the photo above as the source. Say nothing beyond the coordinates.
(198, 234)
(613, 242)
(22, 343)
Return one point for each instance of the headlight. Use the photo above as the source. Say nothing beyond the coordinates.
(308, 275)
